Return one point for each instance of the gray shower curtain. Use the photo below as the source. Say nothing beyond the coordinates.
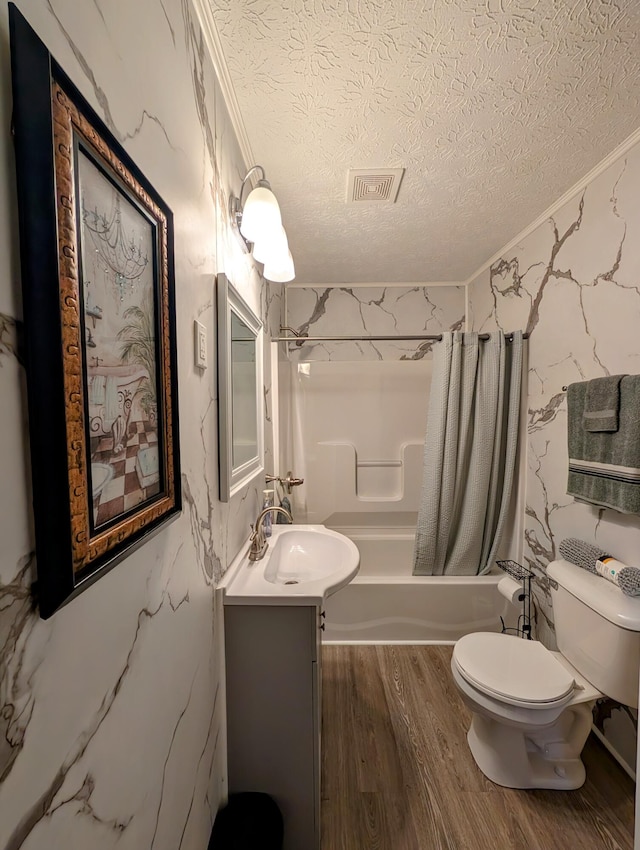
(469, 453)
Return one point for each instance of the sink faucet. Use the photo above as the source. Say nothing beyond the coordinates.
(259, 543)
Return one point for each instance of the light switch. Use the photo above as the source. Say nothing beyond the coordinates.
(200, 344)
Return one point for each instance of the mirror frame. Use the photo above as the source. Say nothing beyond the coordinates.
(232, 479)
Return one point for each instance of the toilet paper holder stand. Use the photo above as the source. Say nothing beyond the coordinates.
(525, 576)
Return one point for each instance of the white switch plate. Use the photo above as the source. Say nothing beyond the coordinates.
(199, 345)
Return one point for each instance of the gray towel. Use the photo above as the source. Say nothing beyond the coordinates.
(602, 404)
(604, 468)
(281, 519)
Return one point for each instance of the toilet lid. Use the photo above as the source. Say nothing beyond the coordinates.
(517, 670)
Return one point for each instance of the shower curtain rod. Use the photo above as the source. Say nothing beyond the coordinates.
(297, 337)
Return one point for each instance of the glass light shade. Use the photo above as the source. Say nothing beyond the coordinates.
(282, 272)
(260, 214)
(272, 248)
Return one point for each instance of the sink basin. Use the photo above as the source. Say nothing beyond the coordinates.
(299, 556)
(302, 566)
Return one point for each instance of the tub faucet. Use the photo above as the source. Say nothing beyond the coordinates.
(259, 543)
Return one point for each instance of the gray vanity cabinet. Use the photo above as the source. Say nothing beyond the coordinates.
(274, 710)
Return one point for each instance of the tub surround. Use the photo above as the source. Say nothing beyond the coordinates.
(328, 433)
(572, 284)
(357, 451)
(111, 713)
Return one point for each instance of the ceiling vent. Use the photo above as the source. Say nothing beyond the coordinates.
(373, 184)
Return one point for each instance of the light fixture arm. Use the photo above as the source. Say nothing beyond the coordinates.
(261, 181)
(235, 203)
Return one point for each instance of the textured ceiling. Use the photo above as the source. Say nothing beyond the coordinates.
(494, 107)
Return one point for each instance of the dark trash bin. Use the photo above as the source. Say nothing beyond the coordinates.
(250, 821)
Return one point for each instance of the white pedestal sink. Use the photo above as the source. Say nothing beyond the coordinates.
(302, 566)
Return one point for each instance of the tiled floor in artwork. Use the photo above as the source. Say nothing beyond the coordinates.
(125, 490)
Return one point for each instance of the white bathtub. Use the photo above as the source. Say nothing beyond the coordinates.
(386, 604)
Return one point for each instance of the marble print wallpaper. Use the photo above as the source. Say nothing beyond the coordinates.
(372, 311)
(574, 285)
(111, 715)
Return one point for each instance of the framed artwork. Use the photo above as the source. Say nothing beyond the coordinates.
(96, 245)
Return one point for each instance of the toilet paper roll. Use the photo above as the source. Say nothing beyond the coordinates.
(511, 590)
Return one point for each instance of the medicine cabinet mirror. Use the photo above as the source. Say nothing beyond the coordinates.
(240, 391)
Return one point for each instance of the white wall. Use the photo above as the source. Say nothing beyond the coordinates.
(573, 284)
(111, 716)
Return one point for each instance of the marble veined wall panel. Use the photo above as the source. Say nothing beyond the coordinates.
(372, 311)
(111, 714)
(574, 285)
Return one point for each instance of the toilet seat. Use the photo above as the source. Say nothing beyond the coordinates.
(512, 670)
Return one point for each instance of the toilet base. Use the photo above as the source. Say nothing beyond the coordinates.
(542, 757)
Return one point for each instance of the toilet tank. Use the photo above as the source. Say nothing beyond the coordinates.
(597, 630)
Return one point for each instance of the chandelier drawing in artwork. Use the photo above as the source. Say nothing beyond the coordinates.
(117, 249)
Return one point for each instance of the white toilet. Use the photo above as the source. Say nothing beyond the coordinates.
(532, 707)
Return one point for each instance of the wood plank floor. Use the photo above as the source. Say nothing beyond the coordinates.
(397, 773)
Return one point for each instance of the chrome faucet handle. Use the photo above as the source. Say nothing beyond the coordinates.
(257, 534)
(258, 542)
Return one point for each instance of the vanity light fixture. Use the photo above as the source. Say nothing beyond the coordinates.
(282, 271)
(259, 223)
(271, 249)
